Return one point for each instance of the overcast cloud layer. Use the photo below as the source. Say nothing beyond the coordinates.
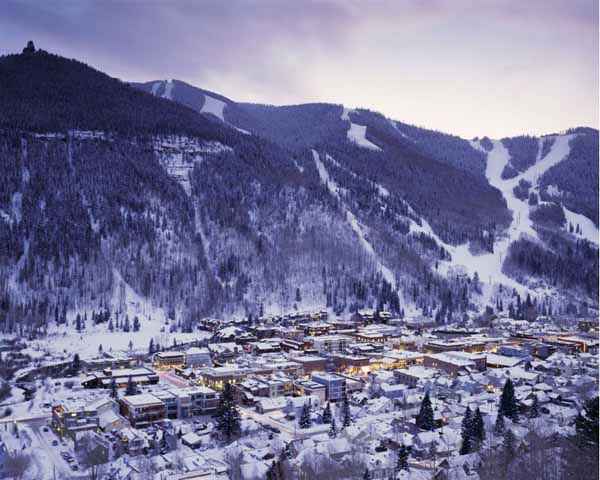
(472, 68)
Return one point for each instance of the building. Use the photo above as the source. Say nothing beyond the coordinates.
(142, 409)
(453, 365)
(171, 402)
(351, 363)
(310, 363)
(309, 388)
(194, 401)
(71, 417)
(331, 343)
(335, 385)
(317, 328)
(121, 376)
(169, 360)
(197, 357)
(217, 377)
(414, 375)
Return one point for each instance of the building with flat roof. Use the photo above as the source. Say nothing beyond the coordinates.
(71, 417)
(121, 376)
(450, 363)
(168, 360)
(143, 409)
(335, 385)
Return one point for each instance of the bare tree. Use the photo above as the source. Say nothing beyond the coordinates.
(16, 464)
(234, 458)
(92, 458)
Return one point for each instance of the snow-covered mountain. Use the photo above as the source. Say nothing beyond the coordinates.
(203, 205)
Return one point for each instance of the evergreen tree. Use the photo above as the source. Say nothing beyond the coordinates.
(367, 475)
(288, 451)
(78, 322)
(466, 433)
(509, 443)
(327, 414)
(478, 429)
(425, 420)
(305, 420)
(131, 388)
(586, 425)
(114, 392)
(151, 347)
(534, 411)
(332, 429)
(273, 472)
(402, 460)
(136, 324)
(581, 450)
(228, 415)
(29, 49)
(346, 418)
(499, 426)
(76, 364)
(508, 402)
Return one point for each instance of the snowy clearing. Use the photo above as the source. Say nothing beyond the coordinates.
(168, 93)
(357, 133)
(153, 325)
(213, 106)
(588, 229)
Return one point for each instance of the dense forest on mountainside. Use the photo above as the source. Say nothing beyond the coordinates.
(200, 218)
(576, 177)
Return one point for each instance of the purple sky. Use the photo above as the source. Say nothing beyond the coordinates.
(472, 68)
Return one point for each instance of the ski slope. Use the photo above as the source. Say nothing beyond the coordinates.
(213, 106)
(489, 265)
(352, 220)
(168, 93)
(357, 133)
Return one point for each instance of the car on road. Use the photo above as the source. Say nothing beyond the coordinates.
(74, 467)
(54, 443)
(45, 429)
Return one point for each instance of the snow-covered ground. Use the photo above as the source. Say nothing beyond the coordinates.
(357, 133)
(154, 324)
(589, 231)
(352, 220)
(213, 106)
(489, 265)
(178, 155)
(168, 93)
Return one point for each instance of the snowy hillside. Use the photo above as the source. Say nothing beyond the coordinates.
(160, 187)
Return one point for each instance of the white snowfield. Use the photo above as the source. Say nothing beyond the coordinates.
(154, 324)
(357, 133)
(352, 220)
(168, 93)
(489, 265)
(213, 106)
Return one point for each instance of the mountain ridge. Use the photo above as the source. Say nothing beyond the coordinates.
(227, 208)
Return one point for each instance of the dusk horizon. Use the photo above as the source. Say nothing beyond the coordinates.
(497, 69)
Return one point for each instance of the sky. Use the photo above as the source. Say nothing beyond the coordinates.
(472, 68)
